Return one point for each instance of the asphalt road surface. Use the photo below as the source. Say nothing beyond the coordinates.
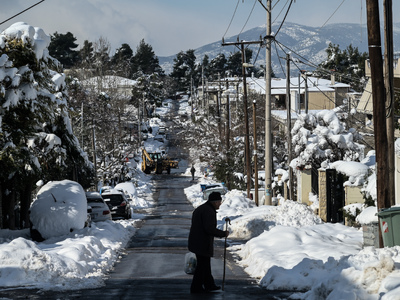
(152, 266)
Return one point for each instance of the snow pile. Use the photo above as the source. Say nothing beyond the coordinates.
(73, 261)
(368, 215)
(290, 248)
(60, 207)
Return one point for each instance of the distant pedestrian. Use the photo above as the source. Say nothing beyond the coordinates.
(201, 242)
(192, 170)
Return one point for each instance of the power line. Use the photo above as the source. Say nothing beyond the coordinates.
(248, 18)
(21, 12)
(290, 4)
(233, 16)
(332, 14)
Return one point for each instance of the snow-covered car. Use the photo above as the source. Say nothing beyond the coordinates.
(161, 130)
(105, 188)
(159, 138)
(128, 188)
(100, 210)
(118, 204)
(208, 189)
(60, 207)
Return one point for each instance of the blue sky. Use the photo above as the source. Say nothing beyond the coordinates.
(170, 26)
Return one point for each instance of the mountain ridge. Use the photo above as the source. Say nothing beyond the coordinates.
(307, 43)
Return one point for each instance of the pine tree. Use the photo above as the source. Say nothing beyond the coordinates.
(184, 69)
(122, 61)
(86, 54)
(218, 64)
(61, 48)
(145, 61)
(349, 63)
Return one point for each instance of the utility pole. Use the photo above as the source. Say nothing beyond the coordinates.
(389, 78)
(94, 154)
(255, 154)
(228, 133)
(202, 86)
(246, 117)
(246, 123)
(191, 96)
(219, 100)
(82, 125)
(379, 114)
(268, 138)
(289, 126)
(306, 93)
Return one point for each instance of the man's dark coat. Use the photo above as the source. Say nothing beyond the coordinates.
(203, 230)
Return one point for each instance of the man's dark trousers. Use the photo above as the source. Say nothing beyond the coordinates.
(202, 274)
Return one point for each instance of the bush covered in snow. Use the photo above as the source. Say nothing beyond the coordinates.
(322, 136)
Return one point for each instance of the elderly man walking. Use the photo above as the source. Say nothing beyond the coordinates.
(201, 242)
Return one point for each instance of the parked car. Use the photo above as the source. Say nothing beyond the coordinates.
(100, 210)
(208, 189)
(161, 130)
(60, 207)
(118, 204)
(159, 138)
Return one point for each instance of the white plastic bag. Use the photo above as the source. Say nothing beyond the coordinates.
(190, 263)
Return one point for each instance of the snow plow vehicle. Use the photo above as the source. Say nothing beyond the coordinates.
(156, 162)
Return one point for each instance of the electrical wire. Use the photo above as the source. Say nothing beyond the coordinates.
(287, 12)
(259, 49)
(350, 78)
(248, 18)
(332, 14)
(279, 58)
(233, 16)
(21, 12)
(273, 22)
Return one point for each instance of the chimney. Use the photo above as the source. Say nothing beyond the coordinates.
(332, 78)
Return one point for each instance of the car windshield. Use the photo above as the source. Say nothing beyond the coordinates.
(113, 199)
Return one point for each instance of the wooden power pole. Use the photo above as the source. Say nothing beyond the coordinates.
(255, 154)
(389, 78)
(289, 127)
(379, 96)
(268, 127)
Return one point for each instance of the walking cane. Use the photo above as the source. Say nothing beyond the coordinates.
(226, 228)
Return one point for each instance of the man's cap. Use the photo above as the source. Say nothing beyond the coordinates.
(215, 196)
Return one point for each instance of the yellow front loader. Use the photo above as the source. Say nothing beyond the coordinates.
(155, 162)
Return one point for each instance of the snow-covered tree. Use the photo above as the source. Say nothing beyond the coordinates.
(319, 137)
(36, 138)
